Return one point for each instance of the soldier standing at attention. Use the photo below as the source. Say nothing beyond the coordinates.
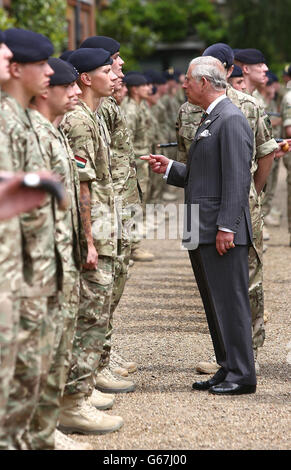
(30, 75)
(49, 108)
(136, 120)
(89, 141)
(125, 186)
(10, 265)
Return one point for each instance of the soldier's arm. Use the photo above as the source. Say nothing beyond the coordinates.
(85, 209)
(265, 150)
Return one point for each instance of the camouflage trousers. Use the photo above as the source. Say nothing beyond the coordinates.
(143, 176)
(40, 434)
(33, 351)
(92, 323)
(256, 290)
(9, 322)
(287, 164)
(120, 277)
(270, 187)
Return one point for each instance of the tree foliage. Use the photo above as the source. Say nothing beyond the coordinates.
(140, 24)
(47, 17)
(261, 24)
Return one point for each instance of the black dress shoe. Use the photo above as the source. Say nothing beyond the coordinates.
(218, 377)
(230, 388)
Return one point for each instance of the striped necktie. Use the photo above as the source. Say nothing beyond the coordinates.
(203, 117)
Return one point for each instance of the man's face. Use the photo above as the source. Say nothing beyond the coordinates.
(5, 56)
(76, 93)
(238, 83)
(35, 77)
(59, 98)
(143, 91)
(117, 69)
(103, 81)
(192, 87)
(257, 73)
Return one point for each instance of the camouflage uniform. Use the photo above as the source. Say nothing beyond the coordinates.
(125, 185)
(286, 121)
(273, 176)
(38, 292)
(188, 121)
(10, 283)
(136, 120)
(62, 326)
(89, 140)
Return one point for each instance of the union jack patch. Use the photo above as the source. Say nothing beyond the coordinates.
(81, 162)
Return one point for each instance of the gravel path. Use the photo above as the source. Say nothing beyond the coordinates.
(160, 323)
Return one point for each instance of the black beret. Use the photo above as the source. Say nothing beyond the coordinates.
(135, 79)
(237, 72)
(86, 59)
(28, 46)
(250, 56)
(222, 52)
(64, 72)
(2, 37)
(65, 55)
(102, 42)
(272, 77)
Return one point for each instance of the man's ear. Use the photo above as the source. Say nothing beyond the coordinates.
(85, 78)
(15, 69)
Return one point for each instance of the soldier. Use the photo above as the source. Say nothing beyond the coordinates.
(11, 266)
(188, 120)
(136, 120)
(236, 79)
(49, 109)
(89, 140)
(286, 123)
(125, 186)
(30, 75)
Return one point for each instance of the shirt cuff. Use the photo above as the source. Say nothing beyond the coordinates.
(168, 169)
(223, 229)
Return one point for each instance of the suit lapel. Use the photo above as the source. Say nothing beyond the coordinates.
(215, 113)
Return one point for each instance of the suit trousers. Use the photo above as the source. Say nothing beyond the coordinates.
(223, 285)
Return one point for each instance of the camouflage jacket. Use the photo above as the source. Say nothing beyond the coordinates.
(10, 234)
(136, 121)
(67, 223)
(37, 226)
(89, 140)
(286, 110)
(123, 164)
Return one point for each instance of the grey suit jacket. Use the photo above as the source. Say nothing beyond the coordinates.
(217, 175)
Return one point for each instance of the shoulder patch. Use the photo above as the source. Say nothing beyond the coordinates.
(81, 162)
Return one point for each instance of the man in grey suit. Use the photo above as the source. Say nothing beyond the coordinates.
(217, 178)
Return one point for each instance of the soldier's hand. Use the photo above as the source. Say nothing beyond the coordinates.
(158, 163)
(283, 148)
(92, 258)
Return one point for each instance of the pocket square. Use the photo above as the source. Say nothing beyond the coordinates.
(204, 134)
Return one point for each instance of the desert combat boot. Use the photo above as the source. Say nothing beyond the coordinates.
(78, 416)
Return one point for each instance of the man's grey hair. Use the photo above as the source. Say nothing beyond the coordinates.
(210, 68)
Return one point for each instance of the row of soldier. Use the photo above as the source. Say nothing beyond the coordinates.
(63, 115)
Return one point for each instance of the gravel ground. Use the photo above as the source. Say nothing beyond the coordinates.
(160, 323)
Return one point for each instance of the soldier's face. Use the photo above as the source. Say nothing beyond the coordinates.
(238, 83)
(117, 65)
(143, 91)
(5, 56)
(60, 97)
(103, 81)
(35, 77)
(257, 73)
